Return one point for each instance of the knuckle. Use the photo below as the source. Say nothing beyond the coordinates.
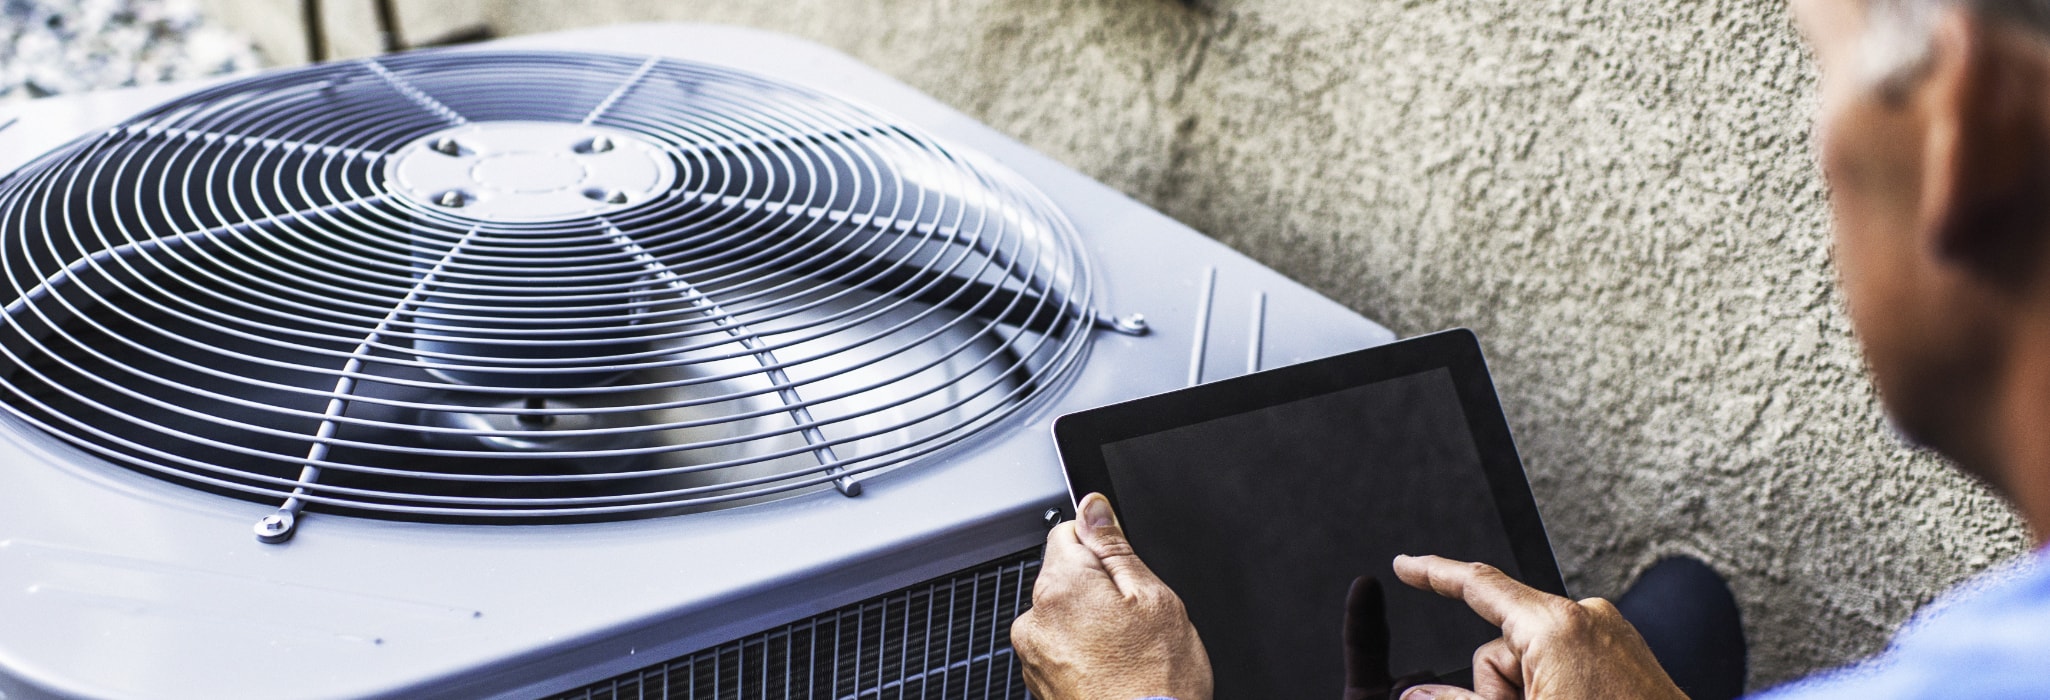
(1600, 608)
(1115, 548)
(1025, 633)
(1174, 605)
(1573, 616)
(1157, 599)
(1048, 592)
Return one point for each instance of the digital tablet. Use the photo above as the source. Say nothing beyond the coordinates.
(1260, 498)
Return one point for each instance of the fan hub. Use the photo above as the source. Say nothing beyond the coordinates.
(524, 172)
(529, 172)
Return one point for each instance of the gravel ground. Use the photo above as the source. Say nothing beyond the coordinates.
(62, 46)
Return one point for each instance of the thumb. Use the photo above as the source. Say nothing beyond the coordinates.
(1439, 692)
(1103, 536)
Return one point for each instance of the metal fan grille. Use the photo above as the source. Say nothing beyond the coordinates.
(254, 290)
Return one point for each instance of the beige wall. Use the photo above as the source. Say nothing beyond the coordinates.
(1617, 194)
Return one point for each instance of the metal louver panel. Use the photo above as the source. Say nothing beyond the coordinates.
(945, 638)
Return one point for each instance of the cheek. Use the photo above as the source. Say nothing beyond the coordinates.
(1868, 269)
(1867, 222)
(1871, 159)
(1850, 228)
(1871, 304)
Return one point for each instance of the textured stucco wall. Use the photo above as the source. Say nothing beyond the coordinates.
(1617, 194)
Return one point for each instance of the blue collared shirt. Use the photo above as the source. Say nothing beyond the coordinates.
(1988, 639)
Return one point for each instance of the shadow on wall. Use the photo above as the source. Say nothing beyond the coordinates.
(390, 33)
(1616, 194)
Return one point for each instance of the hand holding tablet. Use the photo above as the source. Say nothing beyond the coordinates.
(1107, 628)
(1261, 499)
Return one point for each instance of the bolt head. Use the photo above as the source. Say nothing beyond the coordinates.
(448, 146)
(1134, 324)
(600, 144)
(274, 528)
(452, 199)
(1052, 516)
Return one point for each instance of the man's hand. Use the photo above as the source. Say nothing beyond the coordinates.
(1550, 648)
(1102, 626)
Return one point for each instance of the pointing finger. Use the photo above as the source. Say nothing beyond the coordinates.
(1491, 593)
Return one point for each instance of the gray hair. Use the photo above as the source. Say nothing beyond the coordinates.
(1896, 44)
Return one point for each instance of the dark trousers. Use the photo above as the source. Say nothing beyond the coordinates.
(1688, 617)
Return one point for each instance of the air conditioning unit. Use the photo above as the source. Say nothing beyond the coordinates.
(645, 361)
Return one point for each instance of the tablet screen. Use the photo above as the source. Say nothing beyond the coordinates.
(1261, 519)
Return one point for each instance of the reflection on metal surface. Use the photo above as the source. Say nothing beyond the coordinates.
(1201, 343)
(1259, 332)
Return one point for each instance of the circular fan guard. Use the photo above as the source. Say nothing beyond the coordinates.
(233, 291)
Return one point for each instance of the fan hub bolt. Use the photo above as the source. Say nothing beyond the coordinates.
(531, 171)
(607, 196)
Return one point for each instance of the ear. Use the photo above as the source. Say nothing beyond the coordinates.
(1986, 188)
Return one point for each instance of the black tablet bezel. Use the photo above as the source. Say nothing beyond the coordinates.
(1080, 436)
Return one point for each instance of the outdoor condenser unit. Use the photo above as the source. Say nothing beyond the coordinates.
(647, 361)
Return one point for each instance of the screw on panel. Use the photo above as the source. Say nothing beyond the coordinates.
(276, 527)
(452, 199)
(447, 145)
(1052, 516)
(597, 144)
(1131, 324)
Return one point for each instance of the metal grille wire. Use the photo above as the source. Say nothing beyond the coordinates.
(946, 638)
(226, 292)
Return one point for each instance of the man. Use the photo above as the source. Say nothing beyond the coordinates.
(1934, 132)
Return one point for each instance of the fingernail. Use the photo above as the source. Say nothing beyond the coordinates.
(1096, 512)
(1422, 692)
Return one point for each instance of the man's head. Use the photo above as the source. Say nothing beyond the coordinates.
(1934, 132)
